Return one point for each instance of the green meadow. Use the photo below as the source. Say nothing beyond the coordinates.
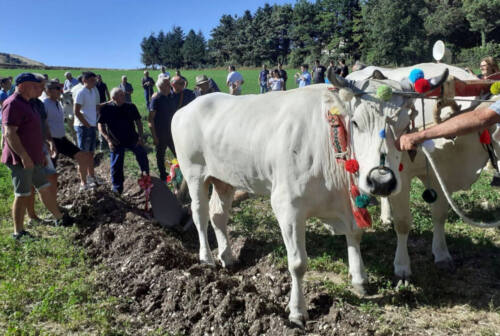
(112, 78)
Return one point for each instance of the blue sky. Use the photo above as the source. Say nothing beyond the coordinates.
(105, 33)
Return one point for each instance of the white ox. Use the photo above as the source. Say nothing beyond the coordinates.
(459, 163)
(279, 144)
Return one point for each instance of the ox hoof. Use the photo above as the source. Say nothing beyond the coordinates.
(228, 260)
(359, 289)
(298, 319)
(446, 266)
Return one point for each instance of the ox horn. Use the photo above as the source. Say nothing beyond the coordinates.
(341, 82)
(439, 80)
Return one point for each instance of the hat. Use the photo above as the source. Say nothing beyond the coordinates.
(201, 79)
(52, 84)
(26, 77)
(67, 73)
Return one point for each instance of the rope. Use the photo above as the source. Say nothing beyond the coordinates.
(447, 194)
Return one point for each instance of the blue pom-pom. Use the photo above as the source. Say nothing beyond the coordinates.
(382, 134)
(415, 75)
(362, 201)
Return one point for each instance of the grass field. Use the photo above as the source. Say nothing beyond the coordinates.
(48, 286)
(113, 78)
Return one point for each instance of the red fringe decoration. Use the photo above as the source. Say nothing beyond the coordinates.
(352, 166)
(400, 167)
(422, 85)
(362, 217)
(485, 137)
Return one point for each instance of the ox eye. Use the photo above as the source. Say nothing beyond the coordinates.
(354, 124)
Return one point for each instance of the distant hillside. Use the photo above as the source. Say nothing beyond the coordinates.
(11, 59)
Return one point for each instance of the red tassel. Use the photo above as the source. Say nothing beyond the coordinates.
(485, 137)
(352, 166)
(362, 218)
(422, 85)
(354, 191)
(400, 167)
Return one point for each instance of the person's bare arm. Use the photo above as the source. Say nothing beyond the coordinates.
(17, 147)
(140, 131)
(151, 123)
(469, 122)
(105, 135)
(80, 116)
(50, 141)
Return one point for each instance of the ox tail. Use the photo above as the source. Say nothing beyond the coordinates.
(455, 208)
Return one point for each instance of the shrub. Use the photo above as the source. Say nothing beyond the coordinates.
(472, 57)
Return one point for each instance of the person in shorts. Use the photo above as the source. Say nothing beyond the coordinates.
(55, 122)
(86, 106)
(23, 152)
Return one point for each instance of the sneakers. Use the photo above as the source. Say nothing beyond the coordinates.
(22, 235)
(94, 180)
(66, 220)
(495, 182)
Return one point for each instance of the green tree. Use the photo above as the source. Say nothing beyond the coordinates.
(194, 49)
(394, 32)
(305, 33)
(483, 16)
(171, 48)
(148, 50)
(223, 40)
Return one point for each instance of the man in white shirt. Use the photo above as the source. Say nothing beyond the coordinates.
(234, 81)
(86, 106)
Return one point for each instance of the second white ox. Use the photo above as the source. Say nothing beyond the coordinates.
(279, 144)
(459, 162)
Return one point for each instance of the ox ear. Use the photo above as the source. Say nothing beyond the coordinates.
(346, 94)
(341, 82)
(377, 74)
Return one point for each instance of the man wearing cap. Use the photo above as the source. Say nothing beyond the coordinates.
(55, 122)
(205, 85)
(23, 152)
(86, 106)
(127, 88)
(69, 82)
(117, 122)
(148, 84)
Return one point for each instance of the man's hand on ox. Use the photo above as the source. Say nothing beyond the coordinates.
(409, 141)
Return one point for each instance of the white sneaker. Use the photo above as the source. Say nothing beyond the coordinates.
(94, 180)
(84, 187)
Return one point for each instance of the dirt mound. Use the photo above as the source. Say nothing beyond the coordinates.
(158, 271)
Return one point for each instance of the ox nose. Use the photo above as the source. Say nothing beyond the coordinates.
(381, 181)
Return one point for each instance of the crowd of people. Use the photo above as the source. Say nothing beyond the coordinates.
(34, 132)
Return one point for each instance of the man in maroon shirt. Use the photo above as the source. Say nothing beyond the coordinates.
(23, 153)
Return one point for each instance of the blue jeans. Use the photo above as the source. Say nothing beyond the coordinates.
(86, 138)
(263, 87)
(116, 159)
(147, 97)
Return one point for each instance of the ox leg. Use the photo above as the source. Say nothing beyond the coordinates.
(220, 204)
(442, 256)
(385, 211)
(356, 266)
(199, 206)
(402, 224)
(293, 229)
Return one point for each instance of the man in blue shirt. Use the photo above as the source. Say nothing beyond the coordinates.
(69, 82)
(303, 78)
(263, 79)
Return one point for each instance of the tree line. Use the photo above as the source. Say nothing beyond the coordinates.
(382, 32)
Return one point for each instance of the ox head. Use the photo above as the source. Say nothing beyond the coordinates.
(375, 125)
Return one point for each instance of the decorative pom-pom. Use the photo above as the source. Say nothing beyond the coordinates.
(422, 85)
(382, 133)
(415, 75)
(485, 137)
(384, 92)
(400, 167)
(334, 110)
(362, 201)
(495, 88)
(352, 166)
